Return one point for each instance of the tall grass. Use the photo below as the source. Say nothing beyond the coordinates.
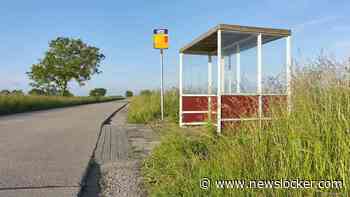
(146, 107)
(10, 104)
(310, 143)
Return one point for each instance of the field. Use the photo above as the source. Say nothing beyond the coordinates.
(10, 104)
(312, 143)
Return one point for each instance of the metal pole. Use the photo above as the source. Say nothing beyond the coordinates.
(288, 71)
(219, 83)
(259, 69)
(161, 85)
(180, 89)
(209, 86)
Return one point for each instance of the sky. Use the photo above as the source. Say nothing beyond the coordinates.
(123, 30)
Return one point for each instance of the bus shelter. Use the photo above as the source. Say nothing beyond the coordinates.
(226, 99)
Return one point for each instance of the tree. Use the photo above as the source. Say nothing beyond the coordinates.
(36, 91)
(67, 93)
(66, 60)
(146, 92)
(129, 93)
(98, 92)
(5, 92)
(17, 92)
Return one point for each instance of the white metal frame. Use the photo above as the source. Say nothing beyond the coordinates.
(289, 70)
(219, 88)
(252, 94)
(180, 89)
(210, 65)
(221, 84)
(259, 72)
(205, 95)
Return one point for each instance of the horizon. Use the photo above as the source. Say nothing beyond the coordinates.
(123, 31)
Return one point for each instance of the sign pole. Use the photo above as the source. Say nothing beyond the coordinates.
(162, 85)
(160, 41)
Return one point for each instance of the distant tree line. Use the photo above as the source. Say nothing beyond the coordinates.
(13, 92)
(97, 92)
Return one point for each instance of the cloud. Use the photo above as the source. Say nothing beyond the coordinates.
(314, 22)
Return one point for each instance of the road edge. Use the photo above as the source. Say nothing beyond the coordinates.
(83, 181)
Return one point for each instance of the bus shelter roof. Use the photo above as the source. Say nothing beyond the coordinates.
(231, 35)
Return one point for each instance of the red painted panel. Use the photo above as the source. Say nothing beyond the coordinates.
(194, 118)
(270, 100)
(195, 103)
(238, 106)
(233, 106)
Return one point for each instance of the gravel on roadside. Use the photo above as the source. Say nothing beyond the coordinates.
(127, 145)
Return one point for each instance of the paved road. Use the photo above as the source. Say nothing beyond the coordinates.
(46, 153)
(119, 154)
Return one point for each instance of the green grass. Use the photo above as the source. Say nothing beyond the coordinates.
(146, 107)
(10, 104)
(313, 143)
(310, 143)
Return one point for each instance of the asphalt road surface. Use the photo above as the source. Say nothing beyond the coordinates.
(46, 153)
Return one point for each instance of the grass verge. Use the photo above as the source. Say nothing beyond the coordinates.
(312, 143)
(10, 104)
(146, 107)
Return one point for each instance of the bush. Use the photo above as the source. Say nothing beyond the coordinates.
(145, 92)
(129, 93)
(36, 92)
(68, 93)
(98, 92)
(5, 92)
(17, 92)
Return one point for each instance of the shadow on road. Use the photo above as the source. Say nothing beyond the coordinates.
(91, 185)
(90, 180)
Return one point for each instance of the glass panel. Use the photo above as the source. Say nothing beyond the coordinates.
(195, 74)
(246, 43)
(274, 66)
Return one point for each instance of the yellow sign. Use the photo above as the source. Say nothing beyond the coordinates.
(160, 39)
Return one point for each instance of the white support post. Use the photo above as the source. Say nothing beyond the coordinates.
(209, 85)
(230, 74)
(238, 68)
(180, 90)
(288, 71)
(259, 72)
(219, 83)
